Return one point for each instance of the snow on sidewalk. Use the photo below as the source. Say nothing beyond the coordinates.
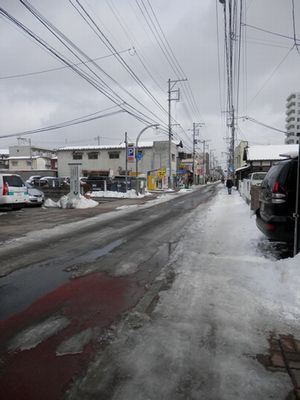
(208, 328)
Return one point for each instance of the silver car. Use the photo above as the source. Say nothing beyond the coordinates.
(35, 196)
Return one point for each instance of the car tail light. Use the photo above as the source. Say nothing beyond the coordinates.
(5, 191)
(270, 227)
(278, 195)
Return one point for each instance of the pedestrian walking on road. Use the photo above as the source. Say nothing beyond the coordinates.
(229, 185)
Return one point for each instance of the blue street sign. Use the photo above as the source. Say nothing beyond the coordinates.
(130, 152)
(139, 156)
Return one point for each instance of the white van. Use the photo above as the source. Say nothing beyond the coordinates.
(256, 178)
(13, 191)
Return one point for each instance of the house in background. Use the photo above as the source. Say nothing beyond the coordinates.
(260, 159)
(4, 154)
(29, 160)
(239, 154)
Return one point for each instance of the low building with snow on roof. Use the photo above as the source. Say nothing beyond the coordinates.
(111, 160)
(261, 158)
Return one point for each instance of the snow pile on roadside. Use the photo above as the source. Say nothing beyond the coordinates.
(70, 201)
(131, 194)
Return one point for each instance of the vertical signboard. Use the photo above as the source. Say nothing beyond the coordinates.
(130, 152)
(74, 179)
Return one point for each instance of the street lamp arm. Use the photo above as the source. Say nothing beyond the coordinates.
(142, 131)
(137, 150)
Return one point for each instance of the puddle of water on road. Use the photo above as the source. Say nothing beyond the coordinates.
(19, 289)
(97, 253)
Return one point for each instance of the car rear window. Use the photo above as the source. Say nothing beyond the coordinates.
(258, 175)
(278, 173)
(13, 180)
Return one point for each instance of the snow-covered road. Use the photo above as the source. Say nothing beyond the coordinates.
(207, 329)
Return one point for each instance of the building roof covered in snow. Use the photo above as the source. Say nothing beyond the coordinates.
(102, 147)
(271, 152)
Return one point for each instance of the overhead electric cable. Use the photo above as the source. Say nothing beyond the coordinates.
(100, 34)
(294, 26)
(272, 74)
(262, 124)
(56, 69)
(61, 125)
(189, 93)
(104, 89)
(139, 54)
(109, 45)
(270, 32)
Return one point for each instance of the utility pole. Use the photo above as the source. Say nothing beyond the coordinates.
(195, 125)
(194, 143)
(126, 162)
(204, 157)
(171, 85)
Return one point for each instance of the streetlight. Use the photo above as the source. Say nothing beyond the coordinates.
(137, 152)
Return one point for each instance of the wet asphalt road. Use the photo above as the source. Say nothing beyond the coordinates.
(116, 263)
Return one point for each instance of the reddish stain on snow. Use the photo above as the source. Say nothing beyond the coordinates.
(92, 301)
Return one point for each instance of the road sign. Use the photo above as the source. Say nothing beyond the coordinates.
(130, 152)
(139, 156)
(161, 173)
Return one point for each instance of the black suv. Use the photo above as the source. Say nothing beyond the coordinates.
(277, 201)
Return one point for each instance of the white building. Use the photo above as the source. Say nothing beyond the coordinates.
(28, 158)
(111, 160)
(293, 118)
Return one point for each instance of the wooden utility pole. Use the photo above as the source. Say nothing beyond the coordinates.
(171, 85)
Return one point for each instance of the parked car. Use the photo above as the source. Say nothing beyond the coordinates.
(277, 201)
(13, 191)
(35, 196)
(256, 178)
(34, 179)
(50, 181)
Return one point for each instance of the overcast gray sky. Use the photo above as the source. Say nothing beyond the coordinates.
(269, 70)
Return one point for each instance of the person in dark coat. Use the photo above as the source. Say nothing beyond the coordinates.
(229, 185)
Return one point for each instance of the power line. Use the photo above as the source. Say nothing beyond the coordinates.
(104, 39)
(270, 32)
(56, 69)
(103, 88)
(272, 74)
(294, 26)
(262, 124)
(75, 121)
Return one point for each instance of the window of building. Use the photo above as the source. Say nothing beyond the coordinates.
(93, 155)
(14, 163)
(173, 157)
(114, 154)
(28, 163)
(77, 156)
